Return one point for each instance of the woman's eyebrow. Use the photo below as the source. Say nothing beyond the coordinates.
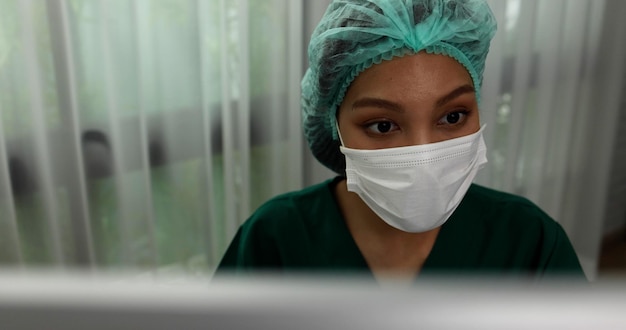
(372, 102)
(467, 88)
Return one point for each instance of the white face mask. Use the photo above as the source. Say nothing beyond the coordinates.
(416, 188)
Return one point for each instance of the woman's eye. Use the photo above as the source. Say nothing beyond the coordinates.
(453, 118)
(381, 127)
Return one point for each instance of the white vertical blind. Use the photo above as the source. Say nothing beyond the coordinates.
(492, 81)
(547, 82)
(111, 106)
(206, 31)
(295, 175)
(41, 152)
(227, 125)
(65, 73)
(561, 73)
(145, 73)
(243, 125)
(601, 119)
(572, 51)
(12, 251)
(148, 129)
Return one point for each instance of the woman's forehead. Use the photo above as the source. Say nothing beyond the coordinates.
(418, 76)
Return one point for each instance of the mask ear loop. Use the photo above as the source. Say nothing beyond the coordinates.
(339, 133)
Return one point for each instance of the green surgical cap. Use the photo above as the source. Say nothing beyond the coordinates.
(355, 34)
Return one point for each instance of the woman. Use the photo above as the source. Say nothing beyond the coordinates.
(390, 102)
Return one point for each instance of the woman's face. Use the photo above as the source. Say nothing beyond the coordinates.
(411, 100)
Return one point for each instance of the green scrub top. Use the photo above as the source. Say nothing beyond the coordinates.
(490, 232)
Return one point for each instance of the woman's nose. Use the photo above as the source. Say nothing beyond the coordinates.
(422, 136)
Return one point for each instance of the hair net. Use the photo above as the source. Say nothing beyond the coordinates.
(355, 34)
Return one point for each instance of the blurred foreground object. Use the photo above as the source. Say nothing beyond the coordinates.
(78, 301)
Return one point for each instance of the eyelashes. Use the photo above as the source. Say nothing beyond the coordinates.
(381, 127)
(454, 117)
